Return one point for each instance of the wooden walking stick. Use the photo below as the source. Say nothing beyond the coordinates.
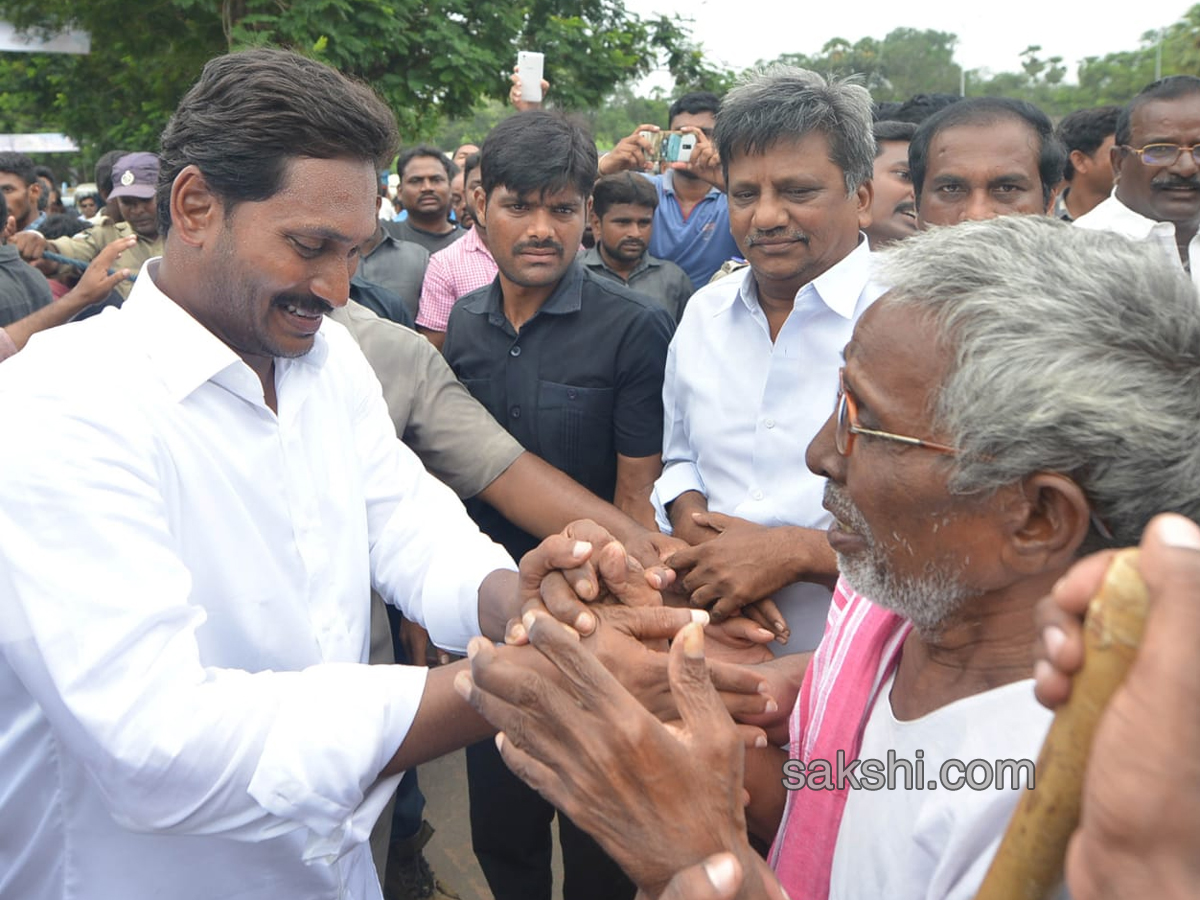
(1029, 862)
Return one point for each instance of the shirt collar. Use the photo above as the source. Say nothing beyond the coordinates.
(471, 242)
(668, 180)
(593, 260)
(566, 298)
(838, 287)
(186, 354)
(1133, 224)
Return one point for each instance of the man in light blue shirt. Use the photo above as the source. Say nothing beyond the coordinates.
(691, 223)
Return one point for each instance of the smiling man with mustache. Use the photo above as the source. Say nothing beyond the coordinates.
(1157, 170)
(751, 371)
(623, 208)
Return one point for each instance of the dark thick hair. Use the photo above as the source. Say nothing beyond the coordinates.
(104, 170)
(1085, 130)
(422, 150)
(470, 164)
(891, 131)
(695, 103)
(252, 113)
(1170, 88)
(538, 152)
(989, 111)
(18, 164)
(919, 107)
(62, 225)
(623, 187)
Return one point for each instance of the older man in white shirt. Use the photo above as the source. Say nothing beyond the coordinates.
(1155, 159)
(752, 370)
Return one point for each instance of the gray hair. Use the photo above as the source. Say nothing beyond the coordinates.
(1072, 351)
(782, 103)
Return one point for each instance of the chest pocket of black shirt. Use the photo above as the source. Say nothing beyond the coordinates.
(575, 428)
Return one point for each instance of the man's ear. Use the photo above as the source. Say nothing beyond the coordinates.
(479, 198)
(1116, 155)
(194, 207)
(863, 195)
(1049, 526)
(1080, 161)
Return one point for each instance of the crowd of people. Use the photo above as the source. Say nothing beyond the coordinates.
(800, 442)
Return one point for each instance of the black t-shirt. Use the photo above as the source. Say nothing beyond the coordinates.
(405, 230)
(580, 384)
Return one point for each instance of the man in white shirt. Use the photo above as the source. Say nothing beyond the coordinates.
(1157, 169)
(202, 489)
(752, 370)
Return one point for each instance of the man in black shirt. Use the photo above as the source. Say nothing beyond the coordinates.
(425, 175)
(572, 365)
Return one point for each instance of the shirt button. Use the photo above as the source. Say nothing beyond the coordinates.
(515, 412)
(770, 423)
(514, 352)
(757, 495)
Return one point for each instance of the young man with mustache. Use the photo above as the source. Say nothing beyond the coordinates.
(1157, 170)
(572, 365)
(623, 221)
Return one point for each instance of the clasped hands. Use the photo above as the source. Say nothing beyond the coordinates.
(611, 723)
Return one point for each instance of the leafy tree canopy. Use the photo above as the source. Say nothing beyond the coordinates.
(430, 59)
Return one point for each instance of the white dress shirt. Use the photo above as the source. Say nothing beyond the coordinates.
(740, 410)
(184, 612)
(1113, 215)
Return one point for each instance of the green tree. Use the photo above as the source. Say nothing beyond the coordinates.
(431, 59)
(1116, 77)
(904, 63)
(1040, 81)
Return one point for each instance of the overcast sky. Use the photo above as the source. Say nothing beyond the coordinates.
(737, 33)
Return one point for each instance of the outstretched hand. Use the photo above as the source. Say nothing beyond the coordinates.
(658, 799)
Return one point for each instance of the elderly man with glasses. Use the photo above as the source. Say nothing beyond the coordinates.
(970, 461)
(1156, 160)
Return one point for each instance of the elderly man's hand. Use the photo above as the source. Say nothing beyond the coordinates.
(723, 876)
(658, 799)
(595, 569)
(747, 562)
(1141, 797)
